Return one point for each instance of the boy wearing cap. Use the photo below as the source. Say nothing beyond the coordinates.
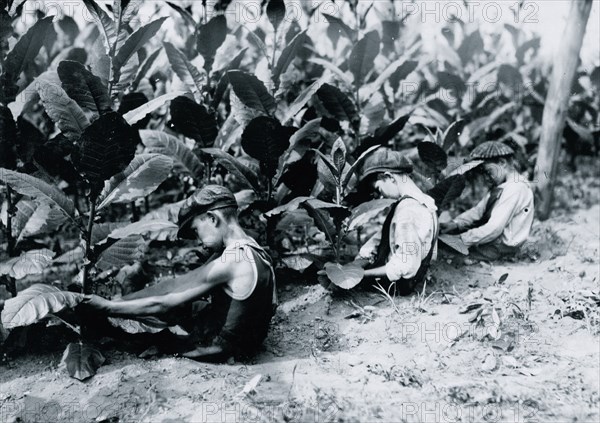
(239, 276)
(401, 250)
(500, 223)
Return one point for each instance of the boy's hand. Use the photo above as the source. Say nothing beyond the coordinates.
(96, 302)
(448, 227)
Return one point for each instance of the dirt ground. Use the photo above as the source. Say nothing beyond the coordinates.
(516, 342)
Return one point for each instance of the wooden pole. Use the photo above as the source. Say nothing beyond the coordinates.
(565, 65)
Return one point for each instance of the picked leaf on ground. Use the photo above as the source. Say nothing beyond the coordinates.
(82, 360)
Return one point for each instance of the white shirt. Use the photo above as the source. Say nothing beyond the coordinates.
(511, 217)
(412, 231)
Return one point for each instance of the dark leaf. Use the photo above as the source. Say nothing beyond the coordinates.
(135, 42)
(276, 12)
(252, 92)
(194, 121)
(69, 27)
(8, 137)
(266, 140)
(452, 82)
(104, 21)
(187, 16)
(338, 104)
(432, 155)
(452, 134)
(132, 101)
(81, 360)
(384, 135)
(322, 221)
(338, 25)
(401, 73)
(502, 278)
(107, 147)
(510, 76)
(145, 68)
(82, 86)
(210, 37)
(363, 56)
(533, 44)
(447, 190)
(338, 155)
(366, 212)
(25, 50)
(300, 176)
(224, 80)
(471, 46)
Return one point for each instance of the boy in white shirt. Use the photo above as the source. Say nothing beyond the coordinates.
(500, 223)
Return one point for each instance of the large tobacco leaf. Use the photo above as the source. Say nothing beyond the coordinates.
(362, 57)
(447, 190)
(345, 276)
(32, 262)
(35, 303)
(81, 360)
(171, 146)
(289, 53)
(276, 12)
(184, 69)
(338, 104)
(210, 37)
(123, 252)
(33, 218)
(141, 112)
(84, 87)
(194, 121)
(252, 92)
(107, 147)
(234, 166)
(140, 178)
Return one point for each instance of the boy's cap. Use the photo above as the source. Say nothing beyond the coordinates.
(491, 150)
(209, 197)
(385, 160)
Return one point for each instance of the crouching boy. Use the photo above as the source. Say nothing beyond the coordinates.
(500, 223)
(239, 277)
(402, 248)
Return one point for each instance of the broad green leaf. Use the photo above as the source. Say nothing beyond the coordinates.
(36, 302)
(64, 111)
(140, 178)
(163, 143)
(145, 68)
(8, 138)
(32, 262)
(303, 98)
(298, 201)
(288, 55)
(123, 252)
(153, 229)
(194, 121)
(106, 24)
(366, 212)
(463, 168)
(447, 190)
(32, 219)
(126, 76)
(363, 56)
(107, 147)
(432, 155)
(39, 190)
(81, 360)
(251, 91)
(338, 104)
(24, 51)
(187, 17)
(322, 221)
(103, 230)
(340, 26)
(141, 112)
(401, 73)
(356, 165)
(334, 69)
(452, 133)
(276, 12)
(265, 139)
(232, 165)
(224, 80)
(84, 87)
(184, 69)
(125, 10)
(210, 37)
(135, 42)
(345, 276)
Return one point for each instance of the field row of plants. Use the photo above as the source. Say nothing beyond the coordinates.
(100, 143)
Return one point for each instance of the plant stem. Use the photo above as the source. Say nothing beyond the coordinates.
(88, 248)
(269, 189)
(9, 213)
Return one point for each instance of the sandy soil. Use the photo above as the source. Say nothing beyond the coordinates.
(473, 346)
